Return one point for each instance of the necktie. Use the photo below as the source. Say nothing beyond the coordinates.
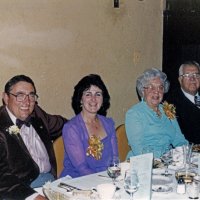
(19, 123)
(197, 100)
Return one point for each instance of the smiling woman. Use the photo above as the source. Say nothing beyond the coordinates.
(147, 124)
(89, 137)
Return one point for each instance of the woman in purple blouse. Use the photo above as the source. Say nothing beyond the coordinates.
(89, 137)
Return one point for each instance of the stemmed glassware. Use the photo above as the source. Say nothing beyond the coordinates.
(167, 158)
(131, 182)
(187, 153)
(114, 169)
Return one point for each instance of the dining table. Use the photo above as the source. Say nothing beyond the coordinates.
(82, 187)
(85, 187)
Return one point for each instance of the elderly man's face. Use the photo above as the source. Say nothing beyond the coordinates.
(191, 83)
(22, 109)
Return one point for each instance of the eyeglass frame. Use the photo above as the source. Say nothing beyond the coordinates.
(191, 75)
(152, 88)
(31, 95)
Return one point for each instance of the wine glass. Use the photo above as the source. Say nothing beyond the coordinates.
(167, 158)
(131, 182)
(114, 169)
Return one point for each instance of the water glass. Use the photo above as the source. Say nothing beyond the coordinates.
(114, 169)
(167, 158)
(193, 190)
(187, 154)
(131, 182)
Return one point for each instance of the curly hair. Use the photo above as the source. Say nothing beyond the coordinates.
(84, 84)
(149, 74)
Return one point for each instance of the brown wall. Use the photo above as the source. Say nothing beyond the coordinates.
(56, 42)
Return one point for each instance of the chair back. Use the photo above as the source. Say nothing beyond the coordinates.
(59, 154)
(123, 146)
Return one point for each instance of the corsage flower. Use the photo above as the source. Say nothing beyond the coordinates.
(14, 130)
(95, 147)
(170, 110)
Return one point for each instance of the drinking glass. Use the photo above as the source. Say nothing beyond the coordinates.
(114, 169)
(131, 182)
(187, 153)
(167, 158)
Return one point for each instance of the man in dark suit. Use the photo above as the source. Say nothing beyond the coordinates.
(27, 157)
(186, 101)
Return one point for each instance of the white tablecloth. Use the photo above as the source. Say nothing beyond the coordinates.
(91, 181)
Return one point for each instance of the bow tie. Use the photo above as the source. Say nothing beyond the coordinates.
(19, 123)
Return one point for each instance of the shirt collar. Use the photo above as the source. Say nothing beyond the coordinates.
(12, 117)
(189, 96)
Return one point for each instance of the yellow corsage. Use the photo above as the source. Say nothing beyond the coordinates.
(170, 110)
(95, 147)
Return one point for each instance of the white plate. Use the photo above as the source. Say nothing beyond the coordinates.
(161, 188)
(161, 180)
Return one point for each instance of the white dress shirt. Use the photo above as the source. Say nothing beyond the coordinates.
(34, 145)
(189, 96)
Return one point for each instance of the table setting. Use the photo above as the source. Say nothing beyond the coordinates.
(155, 179)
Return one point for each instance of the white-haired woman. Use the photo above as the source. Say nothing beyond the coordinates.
(150, 124)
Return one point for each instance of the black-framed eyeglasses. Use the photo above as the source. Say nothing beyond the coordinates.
(191, 75)
(21, 96)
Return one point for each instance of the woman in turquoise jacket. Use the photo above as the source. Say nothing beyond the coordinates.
(151, 123)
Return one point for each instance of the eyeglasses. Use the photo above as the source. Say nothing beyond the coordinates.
(191, 75)
(152, 88)
(21, 96)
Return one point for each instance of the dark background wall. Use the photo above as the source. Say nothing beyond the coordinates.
(181, 37)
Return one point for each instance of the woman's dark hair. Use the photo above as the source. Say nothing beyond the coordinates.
(14, 80)
(84, 84)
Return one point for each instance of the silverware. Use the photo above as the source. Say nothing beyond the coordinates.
(103, 176)
(194, 165)
(68, 187)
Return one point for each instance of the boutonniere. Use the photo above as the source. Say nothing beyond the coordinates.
(95, 147)
(170, 110)
(13, 130)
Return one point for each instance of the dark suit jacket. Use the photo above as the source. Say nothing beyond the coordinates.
(17, 168)
(188, 115)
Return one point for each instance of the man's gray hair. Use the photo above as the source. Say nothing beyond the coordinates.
(185, 64)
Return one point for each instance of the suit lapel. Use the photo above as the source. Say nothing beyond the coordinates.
(5, 121)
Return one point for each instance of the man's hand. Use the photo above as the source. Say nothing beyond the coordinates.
(40, 197)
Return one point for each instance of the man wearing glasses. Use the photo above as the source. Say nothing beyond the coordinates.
(187, 101)
(27, 158)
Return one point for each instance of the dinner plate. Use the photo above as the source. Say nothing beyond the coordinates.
(161, 188)
(161, 180)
